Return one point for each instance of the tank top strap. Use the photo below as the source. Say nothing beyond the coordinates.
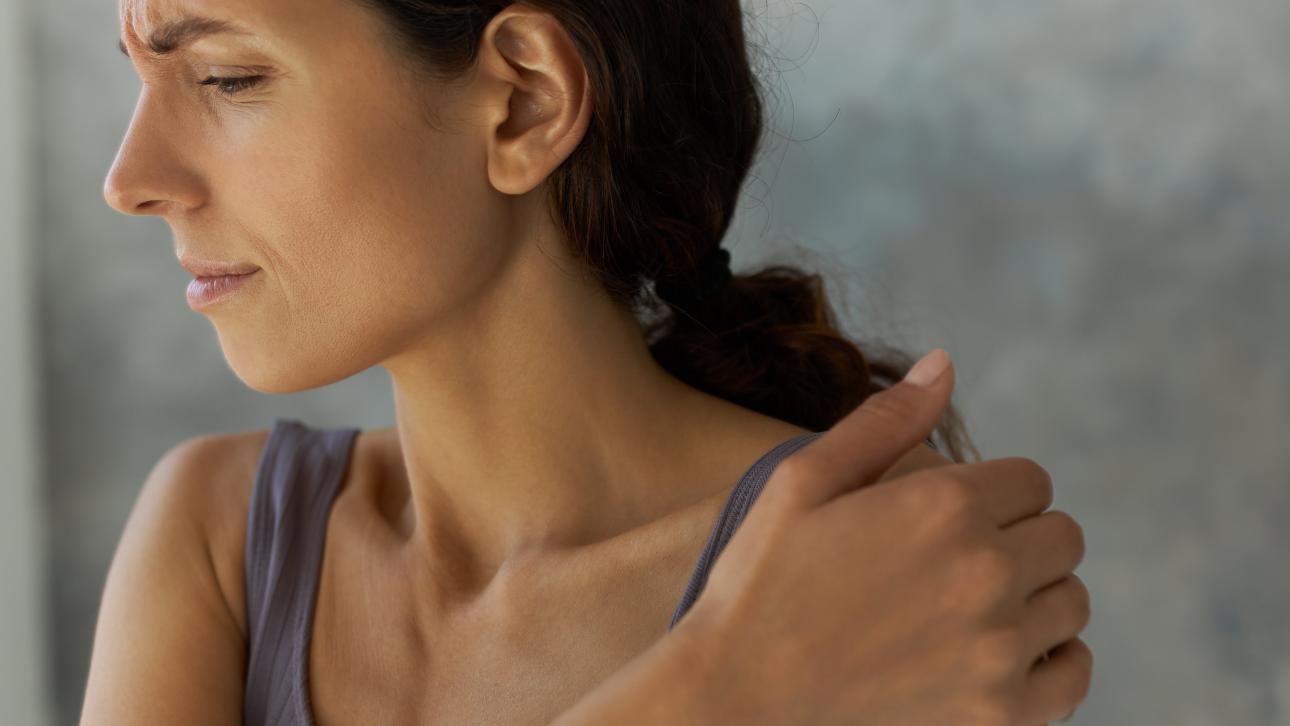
(299, 473)
(740, 501)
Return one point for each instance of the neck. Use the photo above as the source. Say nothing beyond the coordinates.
(540, 422)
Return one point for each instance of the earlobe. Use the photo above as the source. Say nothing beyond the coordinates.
(544, 98)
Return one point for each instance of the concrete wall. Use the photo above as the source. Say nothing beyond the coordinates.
(1084, 201)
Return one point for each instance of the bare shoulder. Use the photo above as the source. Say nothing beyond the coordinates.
(219, 474)
(168, 644)
(215, 474)
(207, 481)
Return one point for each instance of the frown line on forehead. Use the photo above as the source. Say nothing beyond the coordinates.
(170, 34)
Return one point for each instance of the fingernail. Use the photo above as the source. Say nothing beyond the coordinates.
(928, 368)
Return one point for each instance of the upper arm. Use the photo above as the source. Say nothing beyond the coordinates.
(167, 649)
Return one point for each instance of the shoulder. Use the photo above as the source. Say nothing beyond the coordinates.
(200, 478)
(168, 645)
(206, 481)
(215, 475)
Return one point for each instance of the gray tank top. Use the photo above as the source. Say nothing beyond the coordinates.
(299, 473)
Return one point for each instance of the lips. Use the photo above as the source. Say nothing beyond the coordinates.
(215, 268)
(204, 292)
(214, 280)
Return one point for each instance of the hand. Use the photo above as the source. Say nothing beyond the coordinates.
(929, 598)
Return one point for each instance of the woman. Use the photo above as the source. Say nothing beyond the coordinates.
(516, 210)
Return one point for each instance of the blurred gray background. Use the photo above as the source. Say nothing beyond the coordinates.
(1087, 202)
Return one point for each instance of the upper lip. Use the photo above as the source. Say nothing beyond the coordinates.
(214, 268)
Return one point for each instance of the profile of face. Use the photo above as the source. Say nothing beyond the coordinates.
(377, 205)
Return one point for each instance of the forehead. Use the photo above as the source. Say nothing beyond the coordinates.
(157, 23)
(143, 15)
(292, 26)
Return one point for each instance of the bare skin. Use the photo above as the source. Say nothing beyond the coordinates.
(528, 524)
(945, 596)
(374, 660)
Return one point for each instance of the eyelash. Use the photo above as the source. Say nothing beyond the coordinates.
(232, 86)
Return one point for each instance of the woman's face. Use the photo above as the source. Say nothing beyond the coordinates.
(365, 221)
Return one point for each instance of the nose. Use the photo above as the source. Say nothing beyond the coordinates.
(148, 176)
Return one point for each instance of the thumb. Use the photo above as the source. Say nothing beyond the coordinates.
(857, 450)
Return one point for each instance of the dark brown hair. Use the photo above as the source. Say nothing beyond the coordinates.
(650, 191)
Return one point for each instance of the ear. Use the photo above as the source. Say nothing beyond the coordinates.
(537, 97)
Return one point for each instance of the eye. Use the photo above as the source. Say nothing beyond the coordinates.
(232, 86)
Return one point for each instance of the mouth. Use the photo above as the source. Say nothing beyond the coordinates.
(208, 290)
(214, 268)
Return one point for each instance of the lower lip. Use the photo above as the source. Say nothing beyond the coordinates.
(204, 292)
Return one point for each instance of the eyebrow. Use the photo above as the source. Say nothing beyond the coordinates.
(178, 33)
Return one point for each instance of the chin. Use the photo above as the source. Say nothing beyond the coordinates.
(275, 370)
(280, 379)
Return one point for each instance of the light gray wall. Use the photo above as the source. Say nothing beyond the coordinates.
(1084, 201)
(24, 641)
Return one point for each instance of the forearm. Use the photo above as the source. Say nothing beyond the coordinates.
(669, 683)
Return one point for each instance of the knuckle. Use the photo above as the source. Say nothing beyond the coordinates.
(986, 576)
(1081, 603)
(1035, 472)
(917, 494)
(998, 653)
(944, 498)
(1072, 530)
(993, 567)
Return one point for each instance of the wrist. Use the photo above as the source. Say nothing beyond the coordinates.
(692, 656)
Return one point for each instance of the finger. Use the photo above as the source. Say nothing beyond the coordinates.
(1011, 489)
(1055, 687)
(868, 441)
(1046, 548)
(1054, 615)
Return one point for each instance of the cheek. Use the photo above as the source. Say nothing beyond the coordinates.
(366, 235)
(387, 222)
